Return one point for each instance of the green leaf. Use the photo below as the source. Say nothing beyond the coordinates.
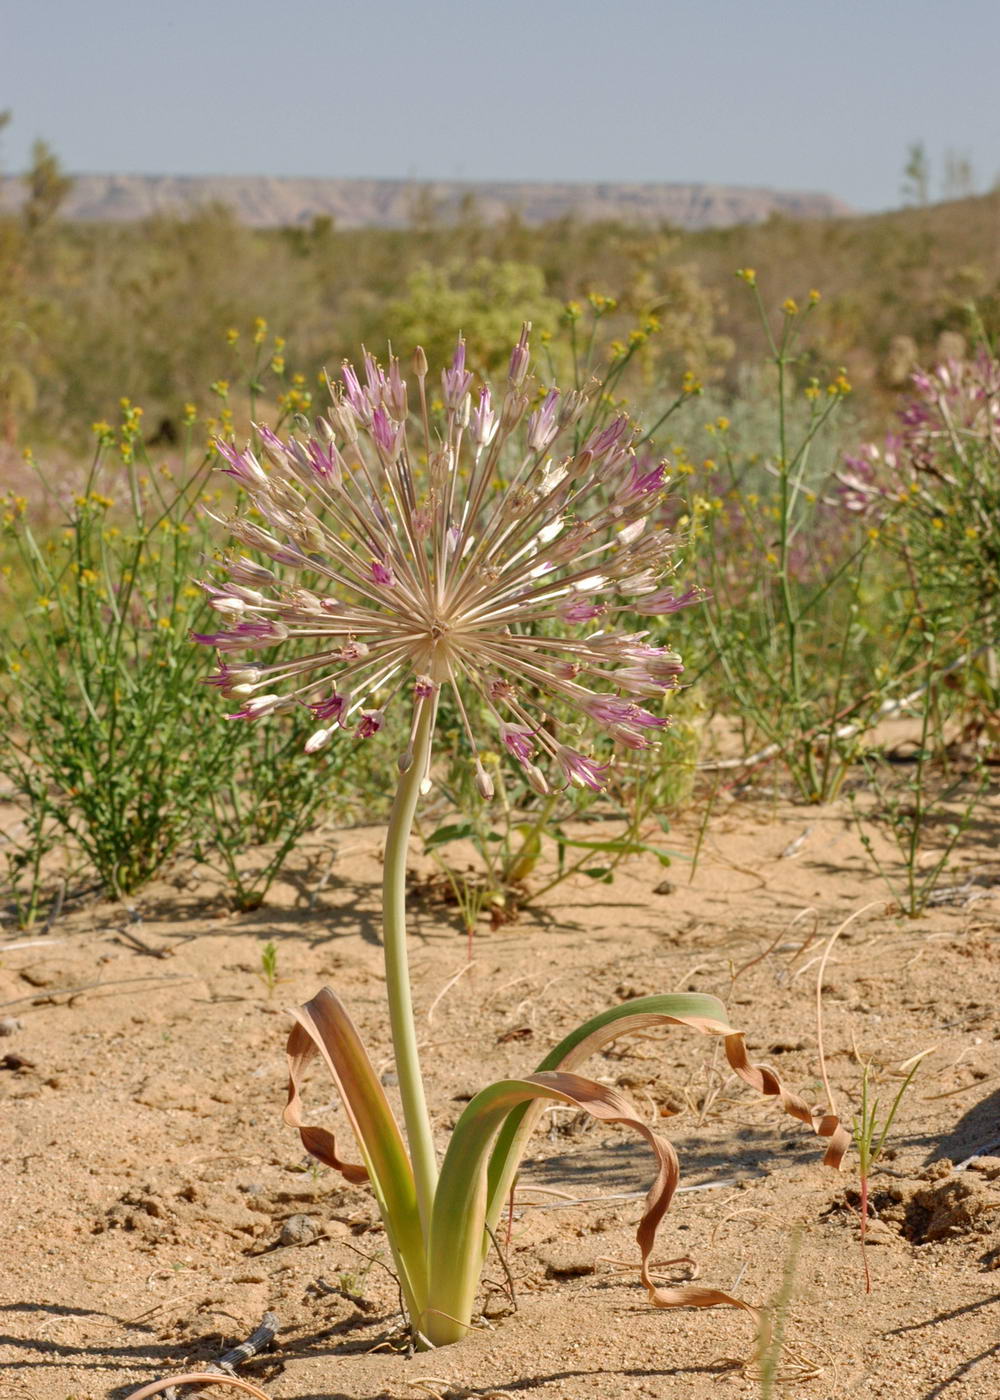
(620, 846)
(459, 1242)
(458, 831)
(325, 1028)
(696, 1010)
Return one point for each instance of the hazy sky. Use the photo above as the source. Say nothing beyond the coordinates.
(796, 94)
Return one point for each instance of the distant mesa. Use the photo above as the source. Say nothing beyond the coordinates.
(285, 202)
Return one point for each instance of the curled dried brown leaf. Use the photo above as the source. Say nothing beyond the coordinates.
(197, 1378)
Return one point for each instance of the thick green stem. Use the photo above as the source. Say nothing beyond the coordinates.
(397, 975)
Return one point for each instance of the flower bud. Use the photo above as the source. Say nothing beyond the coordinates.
(519, 358)
(536, 779)
(515, 406)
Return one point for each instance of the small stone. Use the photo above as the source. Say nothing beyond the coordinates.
(937, 1171)
(298, 1229)
(336, 1229)
(665, 887)
(9, 1025)
(878, 1232)
(567, 1261)
(988, 1166)
(41, 974)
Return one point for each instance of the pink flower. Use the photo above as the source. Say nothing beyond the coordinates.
(581, 611)
(370, 723)
(517, 740)
(260, 705)
(601, 441)
(395, 391)
(579, 770)
(247, 634)
(666, 601)
(248, 571)
(609, 709)
(355, 396)
(543, 423)
(242, 465)
(456, 380)
(227, 677)
(644, 483)
(386, 434)
(484, 421)
(326, 462)
(335, 707)
(519, 358)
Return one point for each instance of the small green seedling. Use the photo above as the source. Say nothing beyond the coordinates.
(269, 965)
(870, 1139)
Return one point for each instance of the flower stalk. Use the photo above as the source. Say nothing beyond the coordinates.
(397, 973)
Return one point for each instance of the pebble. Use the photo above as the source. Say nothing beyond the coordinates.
(9, 1025)
(567, 1261)
(298, 1229)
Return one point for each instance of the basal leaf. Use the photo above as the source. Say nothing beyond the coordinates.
(325, 1028)
(696, 1010)
(458, 1238)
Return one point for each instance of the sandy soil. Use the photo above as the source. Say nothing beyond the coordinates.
(155, 1206)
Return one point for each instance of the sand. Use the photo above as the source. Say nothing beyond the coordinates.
(155, 1207)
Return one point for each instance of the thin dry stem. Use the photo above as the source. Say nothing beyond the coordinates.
(819, 996)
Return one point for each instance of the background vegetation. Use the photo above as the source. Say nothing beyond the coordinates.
(92, 312)
(124, 349)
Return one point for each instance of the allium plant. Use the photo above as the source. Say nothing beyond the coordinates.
(464, 563)
(935, 482)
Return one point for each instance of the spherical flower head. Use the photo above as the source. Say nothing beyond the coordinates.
(470, 551)
(953, 411)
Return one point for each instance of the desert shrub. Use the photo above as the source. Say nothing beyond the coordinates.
(796, 653)
(112, 747)
(485, 301)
